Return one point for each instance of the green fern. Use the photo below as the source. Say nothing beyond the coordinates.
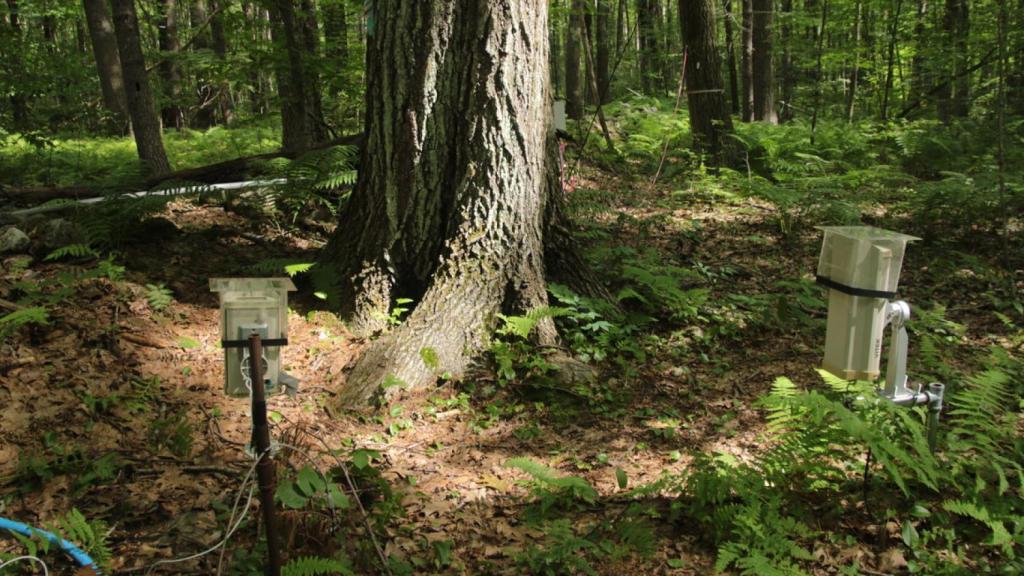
(521, 326)
(73, 250)
(91, 537)
(316, 566)
(550, 479)
(9, 323)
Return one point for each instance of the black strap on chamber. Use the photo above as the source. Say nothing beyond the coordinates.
(245, 343)
(829, 283)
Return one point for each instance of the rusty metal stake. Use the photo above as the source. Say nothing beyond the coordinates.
(265, 471)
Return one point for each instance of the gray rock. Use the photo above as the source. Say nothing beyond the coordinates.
(13, 240)
(58, 233)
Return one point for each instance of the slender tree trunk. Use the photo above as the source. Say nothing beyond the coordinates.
(202, 39)
(918, 81)
(647, 34)
(170, 74)
(311, 43)
(19, 103)
(145, 124)
(817, 67)
(621, 25)
(890, 58)
(297, 133)
(730, 59)
(573, 86)
(747, 61)
(710, 122)
(108, 62)
(602, 64)
(764, 73)
(962, 92)
(789, 72)
(954, 97)
(851, 94)
(556, 59)
(335, 31)
(218, 36)
(456, 190)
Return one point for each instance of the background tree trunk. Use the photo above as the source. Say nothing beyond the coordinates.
(170, 75)
(145, 125)
(851, 93)
(19, 103)
(108, 63)
(788, 67)
(311, 77)
(573, 85)
(647, 35)
(297, 134)
(764, 73)
(454, 188)
(730, 59)
(709, 113)
(603, 34)
(747, 61)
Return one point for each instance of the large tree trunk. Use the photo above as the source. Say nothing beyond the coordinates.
(730, 60)
(454, 202)
(170, 74)
(225, 103)
(140, 98)
(108, 63)
(747, 61)
(710, 122)
(764, 73)
(573, 52)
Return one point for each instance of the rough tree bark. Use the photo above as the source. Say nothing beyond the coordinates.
(455, 205)
(709, 113)
(145, 125)
(747, 61)
(170, 74)
(573, 53)
(108, 63)
(764, 72)
(788, 66)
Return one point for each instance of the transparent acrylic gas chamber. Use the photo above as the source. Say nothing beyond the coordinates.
(250, 305)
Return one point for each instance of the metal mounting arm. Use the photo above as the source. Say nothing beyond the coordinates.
(896, 314)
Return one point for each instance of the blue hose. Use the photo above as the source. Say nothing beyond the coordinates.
(75, 552)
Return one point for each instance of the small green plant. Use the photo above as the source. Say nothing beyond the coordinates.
(72, 250)
(158, 296)
(317, 566)
(553, 490)
(11, 322)
(172, 432)
(309, 485)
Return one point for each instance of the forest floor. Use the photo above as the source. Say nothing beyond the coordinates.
(116, 406)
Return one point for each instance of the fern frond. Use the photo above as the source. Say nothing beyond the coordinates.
(73, 250)
(550, 478)
(316, 566)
